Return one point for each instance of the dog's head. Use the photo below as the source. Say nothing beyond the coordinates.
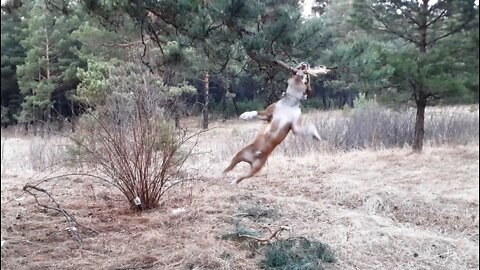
(302, 76)
(304, 72)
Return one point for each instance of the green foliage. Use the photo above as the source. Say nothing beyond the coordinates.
(6, 115)
(436, 64)
(102, 43)
(428, 61)
(50, 60)
(33, 108)
(362, 102)
(12, 54)
(363, 65)
(92, 88)
(235, 42)
(296, 253)
(179, 89)
(96, 80)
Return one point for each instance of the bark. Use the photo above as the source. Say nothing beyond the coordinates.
(176, 116)
(236, 107)
(224, 105)
(205, 107)
(420, 97)
(419, 125)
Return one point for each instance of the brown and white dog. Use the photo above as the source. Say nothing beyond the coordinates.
(281, 117)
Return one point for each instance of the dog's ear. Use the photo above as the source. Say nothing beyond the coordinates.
(317, 71)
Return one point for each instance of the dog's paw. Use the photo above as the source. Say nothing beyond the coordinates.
(248, 115)
(234, 182)
(219, 175)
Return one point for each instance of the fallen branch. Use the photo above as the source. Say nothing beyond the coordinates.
(267, 239)
(72, 222)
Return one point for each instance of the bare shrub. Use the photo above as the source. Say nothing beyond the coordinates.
(47, 153)
(373, 126)
(128, 142)
(451, 126)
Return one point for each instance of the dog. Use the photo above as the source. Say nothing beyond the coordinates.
(282, 117)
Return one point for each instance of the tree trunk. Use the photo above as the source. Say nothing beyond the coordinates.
(205, 106)
(72, 125)
(420, 98)
(47, 53)
(224, 104)
(236, 107)
(176, 116)
(419, 125)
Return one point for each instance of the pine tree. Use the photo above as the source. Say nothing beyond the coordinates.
(50, 61)
(425, 66)
(12, 55)
(360, 58)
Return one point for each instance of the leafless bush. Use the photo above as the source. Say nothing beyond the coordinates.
(452, 126)
(376, 127)
(47, 153)
(129, 143)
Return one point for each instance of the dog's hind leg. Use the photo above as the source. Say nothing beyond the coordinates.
(247, 154)
(256, 165)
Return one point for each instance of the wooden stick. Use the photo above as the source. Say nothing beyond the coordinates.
(268, 239)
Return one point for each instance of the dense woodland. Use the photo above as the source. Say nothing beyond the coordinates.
(218, 57)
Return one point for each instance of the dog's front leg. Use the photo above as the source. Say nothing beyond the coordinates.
(308, 130)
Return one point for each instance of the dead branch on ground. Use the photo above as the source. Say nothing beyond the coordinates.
(273, 235)
(72, 221)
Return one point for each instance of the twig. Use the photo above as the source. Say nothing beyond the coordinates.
(267, 239)
(69, 217)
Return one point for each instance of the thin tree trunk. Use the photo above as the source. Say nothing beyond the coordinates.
(419, 125)
(47, 58)
(205, 107)
(224, 104)
(176, 115)
(234, 101)
(34, 126)
(47, 53)
(420, 97)
(72, 125)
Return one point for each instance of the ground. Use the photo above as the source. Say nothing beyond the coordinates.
(383, 209)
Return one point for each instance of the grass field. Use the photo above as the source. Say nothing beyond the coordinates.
(375, 209)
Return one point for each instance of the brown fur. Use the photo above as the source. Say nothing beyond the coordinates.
(257, 153)
(272, 134)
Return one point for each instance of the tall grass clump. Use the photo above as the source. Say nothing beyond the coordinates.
(127, 140)
(371, 125)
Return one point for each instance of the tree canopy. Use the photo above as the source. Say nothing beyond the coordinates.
(57, 53)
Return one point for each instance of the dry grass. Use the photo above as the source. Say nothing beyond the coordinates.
(385, 209)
